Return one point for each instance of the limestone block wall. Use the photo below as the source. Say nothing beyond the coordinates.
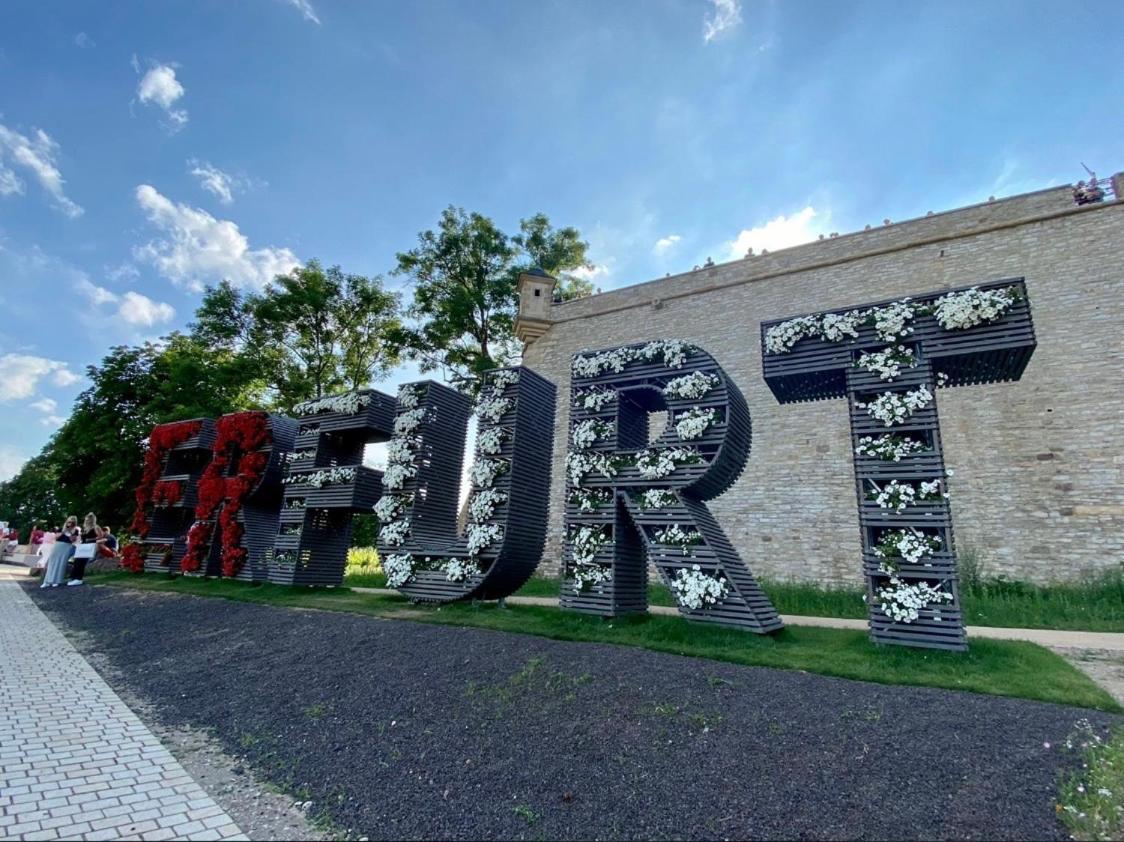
(1038, 491)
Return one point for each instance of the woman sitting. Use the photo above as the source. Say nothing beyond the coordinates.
(61, 551)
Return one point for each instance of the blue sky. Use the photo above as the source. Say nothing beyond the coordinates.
(148, 149)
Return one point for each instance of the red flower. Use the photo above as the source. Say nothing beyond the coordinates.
(132, 558)
(162, 439)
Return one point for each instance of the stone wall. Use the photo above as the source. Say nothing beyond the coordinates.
(1038, 491)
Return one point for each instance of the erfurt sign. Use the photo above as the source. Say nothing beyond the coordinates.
(265, 497)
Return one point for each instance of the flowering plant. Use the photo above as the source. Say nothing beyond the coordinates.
(911, 545)
(162, 439)
(298, 455)
(891, 321)
(594, 399)
(657, 498)
(395, 476)
(481, 536)
(887, 363)
(587, 433)
(500, 380)
(895, 407)
(962, 310)
(460, 569)
(408, 421)
(585, 542)
(485, 471)
(493, 409)
(390, 506)
(657, 464)
(401, 449)
(694, 589)
(888, 447)
(676, 536)
(694, 422)
(903, 602)
(589, 575)
(780, 339)
(322, 477)
(691, 386)
(590, 499)
(399, 569)
(673, 352)
(491, 440)
(483, 504)
(834, 327)
(167, 493)
(899, 496)
(395, 532)
(347, 404)
(409, 397)
(132, 558)
(581, 463)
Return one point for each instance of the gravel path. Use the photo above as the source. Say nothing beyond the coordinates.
(396, 729)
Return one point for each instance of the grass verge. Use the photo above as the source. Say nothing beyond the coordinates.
(1097, 605)
(1091, 800)
(1001, 668)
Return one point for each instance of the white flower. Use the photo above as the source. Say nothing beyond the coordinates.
(409, 397)
(694, 422)
(888, 362)
(588, 433)
(902, 602)
(888, 447)
(481, 536)
(322, 477)
(485, 471)
(459, 569)
(591, 499)
(396, 475)
(962, 310)
(348, 404)
(912, 545)
(589, 575)
(779, 339)
(691, 386)
(595, 399)
(409, 421)
(834, 327)
(581, 463)
(399, 569)
(899, 495)
(401, 449)
(895, 407)
(694, 589)
(483, 503)
(676, 536)
(390, 506)
(395, 533)
(657, 498)
(892, 321)
(493, 409)
(491, 440)
(585, 541)
(673, 352)
(657, 464)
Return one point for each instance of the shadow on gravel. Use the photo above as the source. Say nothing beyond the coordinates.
(401, 730)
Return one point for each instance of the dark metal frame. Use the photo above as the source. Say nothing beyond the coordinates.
(434, 491)
(724, 448)
(818, 370)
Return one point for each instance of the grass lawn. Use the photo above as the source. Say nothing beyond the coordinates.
(1093, 606)
(1003, 668)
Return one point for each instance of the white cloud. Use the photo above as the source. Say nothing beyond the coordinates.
(132, 307)
(160, 86)
(45, 405)
(11, 460)
(20, 374)
(214, 180)
(52, 420)
(306, 9)
(665, 244)
(778, 233)
(137, 309)
(122, 272)
(94, 294)
(197, 249)
(725, 15)
(84, 41)
(35, 154)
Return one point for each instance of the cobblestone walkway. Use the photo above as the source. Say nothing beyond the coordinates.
(75, 762)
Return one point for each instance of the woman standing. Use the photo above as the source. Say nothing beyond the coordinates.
(92, 536)
(61, 552)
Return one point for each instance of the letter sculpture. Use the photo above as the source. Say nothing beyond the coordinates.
(630, 500)
(421, 553)
(888, 359)
(326, 483)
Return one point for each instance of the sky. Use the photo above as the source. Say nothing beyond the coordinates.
(147, 150)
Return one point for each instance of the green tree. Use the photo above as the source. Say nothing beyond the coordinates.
(32, 496)
(334, 331)
(464, 276)
(559, 253)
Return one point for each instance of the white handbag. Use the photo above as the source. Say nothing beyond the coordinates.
(86, 551)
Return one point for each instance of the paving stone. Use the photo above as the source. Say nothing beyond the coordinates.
(80, 763)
